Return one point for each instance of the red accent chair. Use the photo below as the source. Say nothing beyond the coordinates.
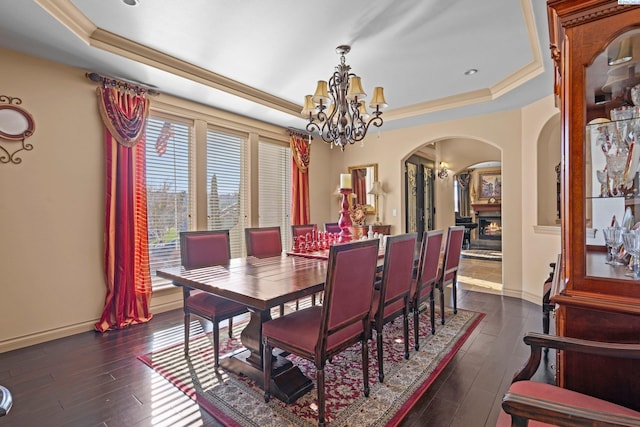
(450, 264)
(318, 333)
(204, 249)
(302, 229)
(263, 242)
(426, 278)
(550, 405)
(332, 227)
(391, 300)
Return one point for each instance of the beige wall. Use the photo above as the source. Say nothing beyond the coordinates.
(52, 206)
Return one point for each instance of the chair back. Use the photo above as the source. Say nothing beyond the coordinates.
(302, 230)
(429, 263)
(204, 248)
(263, 242)
(453, 249)
(348, 292)
(332, 227)
(397, 274)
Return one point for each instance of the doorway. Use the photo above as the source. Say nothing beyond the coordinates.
(419, 174)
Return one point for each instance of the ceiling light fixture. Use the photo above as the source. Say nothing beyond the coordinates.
(131, 2)
(347, 120)
(470, 72)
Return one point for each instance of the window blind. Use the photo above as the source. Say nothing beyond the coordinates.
(226, 186)
(169, 195)
(274, 169)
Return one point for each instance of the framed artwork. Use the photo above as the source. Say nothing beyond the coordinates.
(490, 186)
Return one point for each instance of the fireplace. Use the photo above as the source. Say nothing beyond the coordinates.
(489, 227)
(489, 219)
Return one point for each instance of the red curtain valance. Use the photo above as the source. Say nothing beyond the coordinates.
(124, 114)
(301, 152)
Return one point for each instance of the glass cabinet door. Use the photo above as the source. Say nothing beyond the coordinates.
(612, 157)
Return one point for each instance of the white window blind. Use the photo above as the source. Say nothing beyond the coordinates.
(226, 186)
(274, 169)
(168, 190)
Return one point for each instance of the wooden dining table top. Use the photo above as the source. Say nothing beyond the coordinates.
(259, 283)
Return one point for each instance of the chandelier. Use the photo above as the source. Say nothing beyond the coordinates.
(346, 120)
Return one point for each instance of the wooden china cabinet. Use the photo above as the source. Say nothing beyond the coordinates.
(595, 45)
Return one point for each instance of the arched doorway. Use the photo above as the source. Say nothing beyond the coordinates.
(431, 202)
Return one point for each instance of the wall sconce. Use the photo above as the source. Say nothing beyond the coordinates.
(444, 171)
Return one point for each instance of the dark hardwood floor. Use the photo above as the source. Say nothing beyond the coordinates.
(93, 379)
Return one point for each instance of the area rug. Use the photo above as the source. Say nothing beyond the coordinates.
(237, 401)
(486, 254)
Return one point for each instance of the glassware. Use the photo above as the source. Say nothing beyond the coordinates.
(631, 242)
(613, 239)
(604, 182)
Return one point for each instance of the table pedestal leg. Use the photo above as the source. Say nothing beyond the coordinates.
(288, 382)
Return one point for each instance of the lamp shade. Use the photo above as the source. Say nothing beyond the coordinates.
(309, 106)
(376, 189)
(378, 100)
(362, 109)
(322, 94)
(355, 89)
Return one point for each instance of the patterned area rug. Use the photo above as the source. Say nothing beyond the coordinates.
(237, 401)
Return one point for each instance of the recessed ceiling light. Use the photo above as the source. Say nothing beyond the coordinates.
(131, 2)
(470, 72)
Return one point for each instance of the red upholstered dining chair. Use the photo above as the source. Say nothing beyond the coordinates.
(318, 333)
(391, 299)
(263, 242)
(426, 278)
(302, 229)
(450, 264)
(550, 405)
(332, 227)
(204, 249)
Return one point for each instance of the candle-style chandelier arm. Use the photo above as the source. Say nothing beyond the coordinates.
(346, 120)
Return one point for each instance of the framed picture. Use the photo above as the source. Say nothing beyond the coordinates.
(490, 186)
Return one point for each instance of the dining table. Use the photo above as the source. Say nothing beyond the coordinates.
(260, 284)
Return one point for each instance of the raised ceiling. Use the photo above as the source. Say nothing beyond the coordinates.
(259, 58)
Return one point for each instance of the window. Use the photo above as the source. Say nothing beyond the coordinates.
(168, 190)
(274, 200)
(226, 186)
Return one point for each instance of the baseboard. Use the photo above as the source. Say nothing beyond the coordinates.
(65, 331)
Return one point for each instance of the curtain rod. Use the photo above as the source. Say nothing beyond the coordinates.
(108, 81)
(300, 133)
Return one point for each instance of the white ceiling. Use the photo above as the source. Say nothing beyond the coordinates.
(259, 58)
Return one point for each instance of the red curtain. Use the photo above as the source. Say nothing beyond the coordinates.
(126, 259)
(300, 157)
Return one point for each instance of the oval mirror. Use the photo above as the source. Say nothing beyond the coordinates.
(15, 123)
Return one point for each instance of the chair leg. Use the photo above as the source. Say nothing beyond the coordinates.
(442, 302)
(432, 315)
(380, 355)
(405, 320)
(365, 366)
(267, 358)
(231, 327)
(216, 342)
(187, 327)
(416, 325)
(454, 291)
(320, 380)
